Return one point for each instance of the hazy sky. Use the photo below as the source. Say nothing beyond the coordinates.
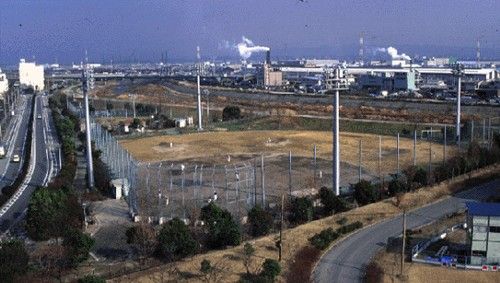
(127, 30)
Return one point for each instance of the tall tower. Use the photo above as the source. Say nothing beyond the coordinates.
(86, 85)
(200, 127)
(362, 48)
(458, 72)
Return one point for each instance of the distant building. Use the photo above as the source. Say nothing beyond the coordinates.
(31, 75)
(483, 220)
(4, 83)
(272, 76)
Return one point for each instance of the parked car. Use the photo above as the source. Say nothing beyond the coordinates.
(16, 158)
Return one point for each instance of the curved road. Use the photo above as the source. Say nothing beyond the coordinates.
(345, 261)
(42, 162)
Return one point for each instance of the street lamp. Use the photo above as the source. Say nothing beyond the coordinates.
(458, 72)
(206, 92)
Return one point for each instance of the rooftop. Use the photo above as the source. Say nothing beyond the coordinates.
(483, 209)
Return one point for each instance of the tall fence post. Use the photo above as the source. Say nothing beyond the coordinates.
(290, 174)
(315, 165)
(471, 131)
(262, 181)
(359, 161)
(444, 145)
(380, 158)
(415, 148)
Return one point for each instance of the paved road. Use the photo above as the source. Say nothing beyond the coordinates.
(13, 141)
(42, 163)
(345, 261)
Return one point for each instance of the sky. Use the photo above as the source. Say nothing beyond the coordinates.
(133, 30)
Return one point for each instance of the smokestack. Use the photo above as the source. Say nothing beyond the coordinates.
(268, 57)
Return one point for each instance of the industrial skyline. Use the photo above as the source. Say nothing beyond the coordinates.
(128, 31)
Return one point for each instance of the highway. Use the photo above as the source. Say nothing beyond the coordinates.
(346, 260)
(44, 163)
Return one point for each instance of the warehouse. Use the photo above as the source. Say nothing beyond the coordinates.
(483, 220)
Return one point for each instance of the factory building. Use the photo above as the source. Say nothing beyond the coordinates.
(273, 77)
(483, 220)
(31, 75)
(4, 83)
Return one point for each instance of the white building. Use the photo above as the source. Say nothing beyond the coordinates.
(4, 83)
(31, 74)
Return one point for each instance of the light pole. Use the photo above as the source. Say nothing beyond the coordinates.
(86, 84)
(335, 81)
(207, 93)
(200, 126)
(458, 72)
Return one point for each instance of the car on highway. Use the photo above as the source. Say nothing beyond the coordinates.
(2, 151)
(16, 158)
(39, 116)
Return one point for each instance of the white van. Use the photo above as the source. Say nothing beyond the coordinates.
(2, 151)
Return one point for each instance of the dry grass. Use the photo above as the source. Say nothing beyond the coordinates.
(213, 147)
(295, 239)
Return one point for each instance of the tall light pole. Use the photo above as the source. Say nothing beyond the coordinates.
(86, 84)
(334, 81)
(200, 126)
(458, 72)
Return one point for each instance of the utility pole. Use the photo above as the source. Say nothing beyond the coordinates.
(86, 84)
(262, 181)
(397, 145)
(200, 126)
(415, 148)
(290, 174)
(315, 164)
(403, 245)
(444, 145)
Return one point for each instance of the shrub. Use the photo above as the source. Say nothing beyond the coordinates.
(175, 240)
(365, 192)
(260, 221)
(421, 176)
(301, 210)
(323, 239)
(373, 273)
(270, 269)
(77, 245)
(13, 260)
(349, 227)
(222, 229)
(331, 202)
(143, 237)
(231, 112)
(91, 279)
(341, 221)
(396, 185)
(302, 265)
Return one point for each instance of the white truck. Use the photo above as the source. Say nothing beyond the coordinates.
(2, 151)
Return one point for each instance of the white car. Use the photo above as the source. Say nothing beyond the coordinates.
(39, 116)
(16, 158)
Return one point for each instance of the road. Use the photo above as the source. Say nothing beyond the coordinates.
(345, 261)
(44, 163)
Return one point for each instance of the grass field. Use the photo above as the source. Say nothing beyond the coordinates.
(213, 148)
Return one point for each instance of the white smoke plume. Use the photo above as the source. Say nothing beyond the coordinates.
(246, 47)
(393, 52)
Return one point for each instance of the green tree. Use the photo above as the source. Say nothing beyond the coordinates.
(301, 210)
(364, 192)
(260, 221)
(331, 203)
(231, 112)
(78, 246)
(222, 229)
(248, 252)
(270, 269)
(46, 213)
(13, 260)
(175, 240)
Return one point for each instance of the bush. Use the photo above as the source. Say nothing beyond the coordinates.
(77, 246)
(365, 192)
(349, 227)
(222, 229)
(373, 273)
(13, 260)
(143, 237)
(270, 269)
(421, 176)
(331, 202)
(396, 185)
(231, 113)
(323, 239)
(91, 279)
(260, 221)
(301, 210)
(175, 240)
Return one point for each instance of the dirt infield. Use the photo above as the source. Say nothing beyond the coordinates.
(214, 147)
